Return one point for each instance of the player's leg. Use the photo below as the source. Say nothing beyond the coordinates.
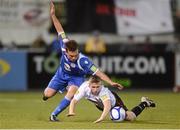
(119, 101)
(48, 92)
(52, 88)
(145, 102)
(65, 101)
(73, 85)
(130, 116)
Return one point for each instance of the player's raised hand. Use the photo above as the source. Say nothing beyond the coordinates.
(52, 9)
(119, 86)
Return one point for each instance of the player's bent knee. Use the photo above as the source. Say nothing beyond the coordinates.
(48, 92)
(130, 116)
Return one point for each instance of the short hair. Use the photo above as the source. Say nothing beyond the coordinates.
(94, 79)
(71, 45)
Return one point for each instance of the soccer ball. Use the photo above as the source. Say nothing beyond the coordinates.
(117, 114)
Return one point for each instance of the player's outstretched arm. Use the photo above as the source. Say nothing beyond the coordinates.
(105, 78)
(107, 107)
(56, 22)
(72, 107)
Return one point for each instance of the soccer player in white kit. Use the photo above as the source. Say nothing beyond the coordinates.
(105, 100)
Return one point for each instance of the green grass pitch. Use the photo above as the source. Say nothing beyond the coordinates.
(26, 110)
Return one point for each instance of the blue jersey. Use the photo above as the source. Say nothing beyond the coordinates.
(82, 66)
(71, 73)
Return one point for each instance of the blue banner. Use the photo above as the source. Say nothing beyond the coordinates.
(13, 71)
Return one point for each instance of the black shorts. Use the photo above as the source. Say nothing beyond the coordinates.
(119, 102)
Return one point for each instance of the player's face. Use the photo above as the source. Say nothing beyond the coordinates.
(72, 55)
(95, 88)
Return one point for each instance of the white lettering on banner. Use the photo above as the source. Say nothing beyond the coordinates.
(117, 60)
(49, 64)
(131, 65)
(177, 70)
(38, 63)
(157, 66)
(111, 64)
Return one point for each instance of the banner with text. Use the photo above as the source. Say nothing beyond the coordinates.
(124, 17)
(143, 16)
(41, 68)
(134, 70)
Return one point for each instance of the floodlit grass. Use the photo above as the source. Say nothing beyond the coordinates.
(26, 110)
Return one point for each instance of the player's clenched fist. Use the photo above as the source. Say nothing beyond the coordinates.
(52, 9)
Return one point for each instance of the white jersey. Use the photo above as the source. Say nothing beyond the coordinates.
(104, 94)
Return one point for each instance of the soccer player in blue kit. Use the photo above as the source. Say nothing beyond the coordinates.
(73, 68)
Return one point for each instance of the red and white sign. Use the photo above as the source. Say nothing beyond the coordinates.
(136, 17)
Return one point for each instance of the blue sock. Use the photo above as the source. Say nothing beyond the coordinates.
(63, 104)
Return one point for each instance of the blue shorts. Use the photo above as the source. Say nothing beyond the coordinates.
(61, 80)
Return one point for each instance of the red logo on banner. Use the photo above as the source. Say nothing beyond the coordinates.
(125, 11)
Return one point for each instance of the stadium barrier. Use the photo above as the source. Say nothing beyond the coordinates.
(21, 71)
